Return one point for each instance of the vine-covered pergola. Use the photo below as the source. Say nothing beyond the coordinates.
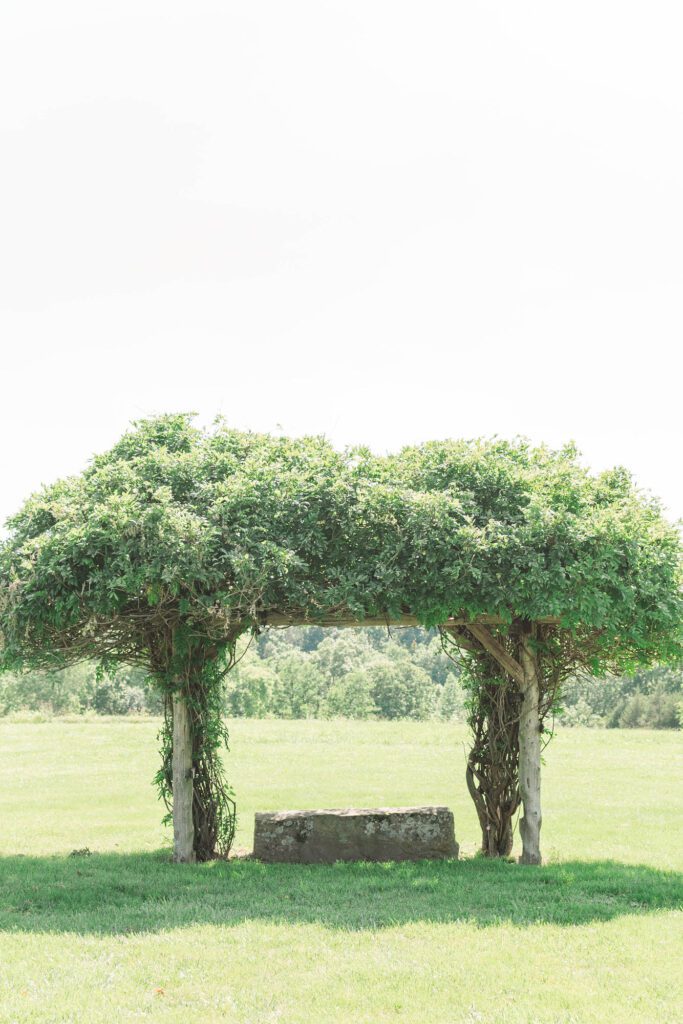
(177, 542)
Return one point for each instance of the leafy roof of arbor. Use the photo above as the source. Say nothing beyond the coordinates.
(221, 529)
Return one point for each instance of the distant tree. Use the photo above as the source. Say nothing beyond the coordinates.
(400, 689)
(350, 696)
(249, 690)
(77, 689)
(591, 701)
(54, 692)
(656, 710)
(451, 699)
(430, 657)
(296, 691)
(341, 652)
(633, 715)
(581, 714)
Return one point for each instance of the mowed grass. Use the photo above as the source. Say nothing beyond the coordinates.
(125, 935)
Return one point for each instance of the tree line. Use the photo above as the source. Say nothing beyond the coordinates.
(312, 672)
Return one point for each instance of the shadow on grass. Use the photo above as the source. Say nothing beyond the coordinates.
(118, 893)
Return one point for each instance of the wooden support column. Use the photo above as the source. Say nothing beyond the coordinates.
(183, 784)
(530, 758)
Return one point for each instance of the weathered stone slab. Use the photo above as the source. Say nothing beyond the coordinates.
(382, 833)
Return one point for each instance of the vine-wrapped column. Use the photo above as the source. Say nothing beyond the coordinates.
(525, 672)
(530, 756)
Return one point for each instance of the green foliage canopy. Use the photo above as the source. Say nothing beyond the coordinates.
(209, 530)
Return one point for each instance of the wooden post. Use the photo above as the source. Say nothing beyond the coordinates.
(530, 757)
(183, 785)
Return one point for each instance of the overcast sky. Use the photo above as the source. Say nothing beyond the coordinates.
(384, 222)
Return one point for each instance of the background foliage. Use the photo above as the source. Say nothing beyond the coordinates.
(331, 673)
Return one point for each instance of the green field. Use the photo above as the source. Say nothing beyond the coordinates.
(125, 935)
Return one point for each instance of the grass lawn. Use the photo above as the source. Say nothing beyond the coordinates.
(125, 935)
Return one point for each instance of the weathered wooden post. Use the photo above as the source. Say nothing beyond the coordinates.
(530, 757)
(183, 783)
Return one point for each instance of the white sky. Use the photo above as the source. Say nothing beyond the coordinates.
(385, 222)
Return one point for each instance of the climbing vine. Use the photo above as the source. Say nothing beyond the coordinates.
(492, 773)
(214, 811)
(198, 676)
(493, 712)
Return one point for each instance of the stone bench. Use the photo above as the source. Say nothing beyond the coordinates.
(379, 834)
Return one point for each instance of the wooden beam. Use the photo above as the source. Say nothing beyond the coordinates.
(345, 620)
(497, 651)
(459, 640)
(342, 619)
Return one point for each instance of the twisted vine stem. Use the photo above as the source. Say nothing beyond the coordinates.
(493, 712)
